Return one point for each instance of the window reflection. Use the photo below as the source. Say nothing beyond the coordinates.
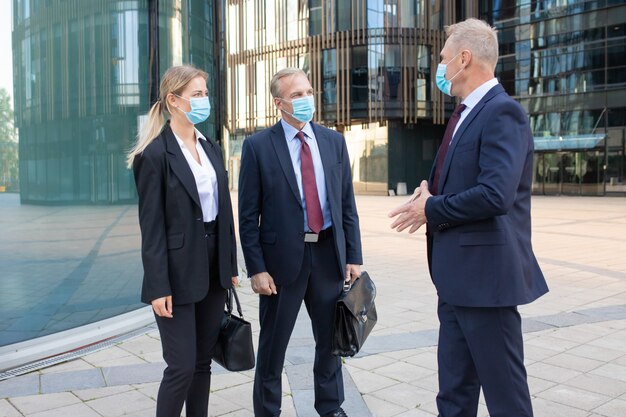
(411, 13)
(386, 74)
(125, 57)
(566, 61)
(329, 71)
(367, 147)
(344, 17)
(359, 79)
(262, 94)
(71, 254)
(375, 14)
(315, 17)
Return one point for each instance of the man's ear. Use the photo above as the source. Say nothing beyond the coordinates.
(276, 102)
(466, 57)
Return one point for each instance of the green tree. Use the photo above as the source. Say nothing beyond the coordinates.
(9, 160)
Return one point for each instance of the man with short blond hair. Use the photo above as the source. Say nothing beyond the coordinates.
(300, 236)
(477, 208)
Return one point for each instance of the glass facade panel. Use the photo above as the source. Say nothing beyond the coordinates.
(377, 71)
(359, 75)
(329, 93)
(367, 146)
(565, 61)
(69, 236)
(375, 14)
(420, 88)
(394, 77)
(315, 17)
(408, 13)
(263, 96)
(436, 13)
(344, 17)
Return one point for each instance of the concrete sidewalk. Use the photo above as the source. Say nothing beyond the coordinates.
(575, 335)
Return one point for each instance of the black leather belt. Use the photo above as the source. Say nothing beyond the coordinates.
(310, 237)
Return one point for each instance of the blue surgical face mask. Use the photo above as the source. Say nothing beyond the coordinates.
(303, 108)
(445, 85)
(200, 109)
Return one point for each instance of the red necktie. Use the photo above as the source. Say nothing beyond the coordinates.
(309, 185)
(445, 144)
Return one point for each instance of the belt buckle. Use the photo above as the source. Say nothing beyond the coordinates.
(311, 237)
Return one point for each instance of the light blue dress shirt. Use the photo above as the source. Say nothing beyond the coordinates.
(294, 145)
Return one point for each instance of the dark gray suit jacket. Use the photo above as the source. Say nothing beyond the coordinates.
(173, 246)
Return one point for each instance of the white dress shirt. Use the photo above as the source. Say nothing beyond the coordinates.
(205, 176)
(472, 100)
(294, 145)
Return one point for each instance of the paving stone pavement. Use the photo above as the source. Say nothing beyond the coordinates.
(575, 336)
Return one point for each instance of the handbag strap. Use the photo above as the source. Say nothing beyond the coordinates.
(229, 302)
(231, 292)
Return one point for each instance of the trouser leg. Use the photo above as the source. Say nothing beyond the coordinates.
(494, 336)
(459, 387)
(178, 340)
(277, 315)
(325, 286)
(209, 315)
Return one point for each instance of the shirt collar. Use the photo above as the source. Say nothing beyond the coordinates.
(475, 96)
(199, 135)
(290, 131)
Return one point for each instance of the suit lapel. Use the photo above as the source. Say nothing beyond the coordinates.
(459, 133)
(326, 154)
(179, 165)
(277, 136)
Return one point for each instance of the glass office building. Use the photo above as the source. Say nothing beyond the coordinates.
(372, 65)
(565, 62)
(84, 74)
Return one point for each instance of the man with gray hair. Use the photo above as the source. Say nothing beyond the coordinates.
(476, 205)
(300, 237)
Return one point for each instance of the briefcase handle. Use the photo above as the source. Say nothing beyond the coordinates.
(347, 286)
(229, 301)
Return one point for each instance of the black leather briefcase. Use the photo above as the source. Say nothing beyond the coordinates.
(355, 316)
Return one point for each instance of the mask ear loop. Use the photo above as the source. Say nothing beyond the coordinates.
(459, 71)
(283, 110)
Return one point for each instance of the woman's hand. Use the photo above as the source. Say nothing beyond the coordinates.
(163, 306)
(235, 281)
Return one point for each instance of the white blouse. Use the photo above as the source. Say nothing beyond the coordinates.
(206, 178)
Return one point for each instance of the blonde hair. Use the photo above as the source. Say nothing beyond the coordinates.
(174, 81)
(477, 37)
(285, 72)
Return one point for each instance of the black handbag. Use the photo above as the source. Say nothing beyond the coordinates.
(234, 350)
(355, 316)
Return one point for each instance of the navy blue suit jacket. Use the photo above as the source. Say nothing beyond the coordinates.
(479, 227)
(271, 216)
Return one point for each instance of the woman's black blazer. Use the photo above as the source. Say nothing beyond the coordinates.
(173, 244)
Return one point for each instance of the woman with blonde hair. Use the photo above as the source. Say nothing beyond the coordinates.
(188, 243)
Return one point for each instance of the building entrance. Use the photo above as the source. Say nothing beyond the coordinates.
(569, 173)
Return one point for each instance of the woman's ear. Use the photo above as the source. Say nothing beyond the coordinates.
(171, 100)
